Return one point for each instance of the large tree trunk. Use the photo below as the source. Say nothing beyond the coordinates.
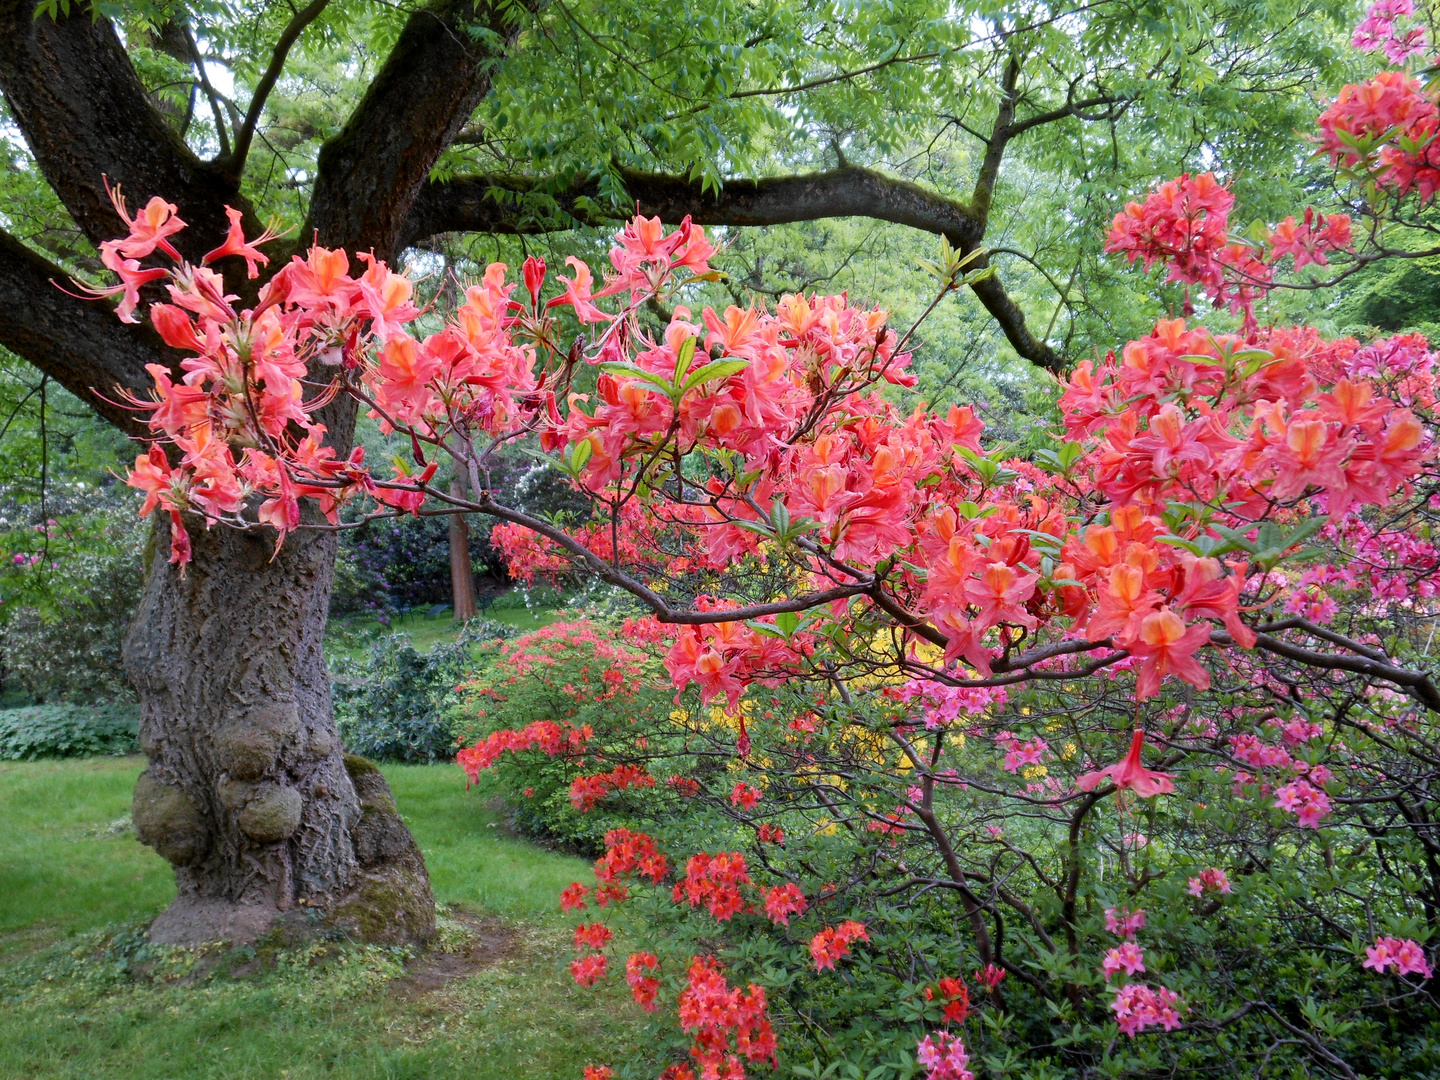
(248, 792)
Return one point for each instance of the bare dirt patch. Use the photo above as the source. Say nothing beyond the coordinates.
(490, 942)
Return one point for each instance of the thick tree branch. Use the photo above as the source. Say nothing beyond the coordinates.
(79, 344)
(85, 116)
(995, 145)
(211, 95)
(235, 163)
(469, 204)
(370, 173)
(474, 203)
(1417, 684)
(1073, 108)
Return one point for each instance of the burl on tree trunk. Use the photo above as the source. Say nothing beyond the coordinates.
(248, 791)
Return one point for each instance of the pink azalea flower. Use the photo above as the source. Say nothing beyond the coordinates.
(1129, 958)
(1211, 880)
(1405, 956)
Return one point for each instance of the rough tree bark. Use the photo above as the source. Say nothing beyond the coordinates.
(247, 791)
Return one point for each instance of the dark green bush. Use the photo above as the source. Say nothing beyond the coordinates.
(68, 590)
(395, 703)
(40, 731)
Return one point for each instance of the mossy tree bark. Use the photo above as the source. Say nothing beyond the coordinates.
(247, 792)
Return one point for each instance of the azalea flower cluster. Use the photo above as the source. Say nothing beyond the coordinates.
(714, 881)
(1136, 1005)
(954, 997)
(944, 703)
(943, 1056)
(833, 943)
(1184, 224)
(644, 986)
(1127, 957)
(1018, 754)
(1124, 923)
(728, 1025)
(1211, 880)
(1385, 127)
(241, 424)
(744, 796)
(587, 791)
(550, 738)
(782, 901)
(1405, 956)
(1304, 794)
(590, 941)
(724, 658)
(1383, 29)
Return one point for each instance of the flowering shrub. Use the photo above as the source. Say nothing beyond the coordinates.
(1155, 701)
(544, 710)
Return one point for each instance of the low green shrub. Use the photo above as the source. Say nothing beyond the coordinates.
(40, 731)
(394, 703)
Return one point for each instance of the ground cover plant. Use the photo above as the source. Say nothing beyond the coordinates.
(85, 995)
(898, 816)
(40, 731)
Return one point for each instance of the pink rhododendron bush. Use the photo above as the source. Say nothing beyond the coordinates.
(1118, 759)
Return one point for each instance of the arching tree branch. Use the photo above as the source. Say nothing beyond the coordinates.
(291, 34)
(470, 204)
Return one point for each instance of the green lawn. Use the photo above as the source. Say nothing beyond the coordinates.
(68, 859)
(426, 630)
(84, 997)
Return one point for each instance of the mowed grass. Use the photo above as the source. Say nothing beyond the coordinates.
(68, 859)
(426, 630)
(84, 997)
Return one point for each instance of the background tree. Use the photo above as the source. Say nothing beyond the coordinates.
(394, 128)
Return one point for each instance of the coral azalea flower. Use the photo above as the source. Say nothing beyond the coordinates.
(1129, 774)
